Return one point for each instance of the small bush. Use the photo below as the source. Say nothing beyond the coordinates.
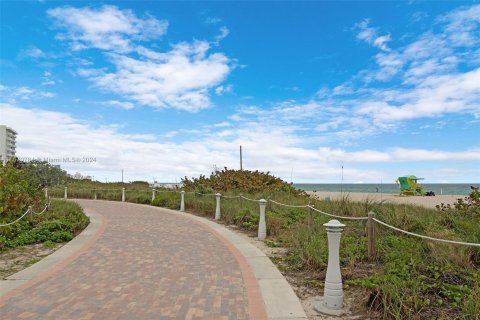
(167, 200)
(247, 219)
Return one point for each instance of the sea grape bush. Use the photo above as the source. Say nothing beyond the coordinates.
(468, 205)
(18, 190)
(240, 181)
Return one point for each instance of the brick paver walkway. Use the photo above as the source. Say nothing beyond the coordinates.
(147, 264)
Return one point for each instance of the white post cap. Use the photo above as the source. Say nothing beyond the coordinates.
(334, 225)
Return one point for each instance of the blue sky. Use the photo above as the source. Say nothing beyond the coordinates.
(171, 89)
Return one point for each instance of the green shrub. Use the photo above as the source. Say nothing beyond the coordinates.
(60, 236)
(247, 219)
(167, 200)
(62, 222)
(240, 181)
(17, 191)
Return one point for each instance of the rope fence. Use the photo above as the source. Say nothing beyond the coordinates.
(205, 194)
(230, 197)
(29, 212)
(426, 237)
(44, 209)
(339, 217)
(370, 218)
(288, 205)
(165, 191)
(310, 207)
(10, 223)
(253, 200)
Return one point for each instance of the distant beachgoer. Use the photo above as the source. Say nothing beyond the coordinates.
(377, 189)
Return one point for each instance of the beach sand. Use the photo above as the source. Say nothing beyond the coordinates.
(427, 202)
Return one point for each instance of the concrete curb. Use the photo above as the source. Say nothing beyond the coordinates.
(57, 259)
(281, 302)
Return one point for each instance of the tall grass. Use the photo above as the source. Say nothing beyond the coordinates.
(135, 194)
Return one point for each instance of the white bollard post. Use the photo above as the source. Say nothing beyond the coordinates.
(182, 201)
(217, 209)
(123, 194)
(65, 196)
(332, 301)
(153, 194)
(262, 227)
(46, 193)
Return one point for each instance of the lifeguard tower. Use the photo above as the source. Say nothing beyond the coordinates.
(409, 186)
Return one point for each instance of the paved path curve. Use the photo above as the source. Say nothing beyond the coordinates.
(147, 263)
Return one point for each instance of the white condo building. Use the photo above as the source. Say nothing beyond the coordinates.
(7, 143)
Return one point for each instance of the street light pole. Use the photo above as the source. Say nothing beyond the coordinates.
(241, 165)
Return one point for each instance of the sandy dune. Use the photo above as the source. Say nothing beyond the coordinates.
(428, 202)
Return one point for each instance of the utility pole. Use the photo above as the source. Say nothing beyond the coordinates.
(341, 185)
(241, 166)
(122, 175)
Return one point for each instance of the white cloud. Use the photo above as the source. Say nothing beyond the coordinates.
(462, 25)
(222, 124)
(121, 104)
(47, 79)
(220, 90)
(33, 52)
(370, 35)
(451, 41)
(23, 93)
(181, 78)
(212, 20)
(106, 28)
(266, 147)
(381, 42)
(432, 76)
(434, 96)
(401, 154)
(224, 32)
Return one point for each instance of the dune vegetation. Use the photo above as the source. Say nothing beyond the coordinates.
(410, 278)
(21, 188)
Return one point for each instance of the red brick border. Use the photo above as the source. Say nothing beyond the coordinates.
(256, 305)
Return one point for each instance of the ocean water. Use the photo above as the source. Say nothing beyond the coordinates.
(438, 188)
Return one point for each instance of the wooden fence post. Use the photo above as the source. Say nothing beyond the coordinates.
(310, 216)
(30, 213)
(371, 236)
